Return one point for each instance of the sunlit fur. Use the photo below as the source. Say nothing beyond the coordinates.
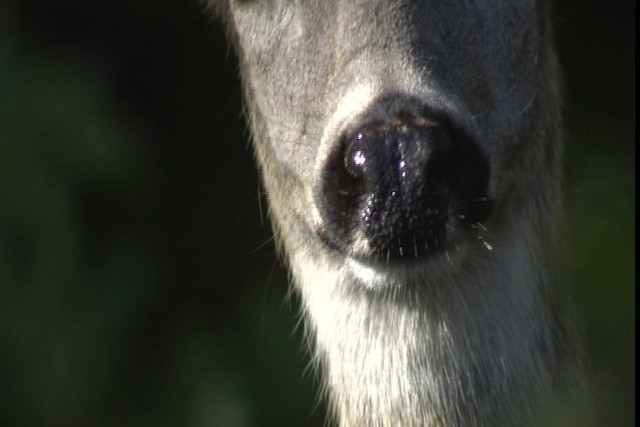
(475, 335)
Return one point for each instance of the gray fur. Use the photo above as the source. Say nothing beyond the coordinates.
(474, 336)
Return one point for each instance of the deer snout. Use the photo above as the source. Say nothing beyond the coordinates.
(396, 189)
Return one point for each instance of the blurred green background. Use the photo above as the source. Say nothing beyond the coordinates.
(138, 283)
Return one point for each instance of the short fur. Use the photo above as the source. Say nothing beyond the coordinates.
(473, 336)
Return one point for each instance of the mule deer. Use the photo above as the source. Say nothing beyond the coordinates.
(411, 154)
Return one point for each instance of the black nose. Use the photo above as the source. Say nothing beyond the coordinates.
(395, 189)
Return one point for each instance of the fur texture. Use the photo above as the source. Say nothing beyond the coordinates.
(472, 335)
